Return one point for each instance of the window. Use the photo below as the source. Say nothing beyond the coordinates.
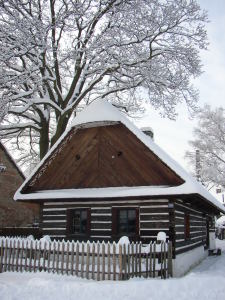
(78, 221)
(125, 222)
(186, 227)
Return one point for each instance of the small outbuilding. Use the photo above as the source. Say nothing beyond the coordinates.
(105, 178)
(11, 177)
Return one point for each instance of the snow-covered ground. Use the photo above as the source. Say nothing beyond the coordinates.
(206, 281)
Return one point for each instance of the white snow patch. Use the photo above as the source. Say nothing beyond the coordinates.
(185, 261)
(161, 236)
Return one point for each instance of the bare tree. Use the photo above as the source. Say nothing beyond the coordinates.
(56, 56)
(209, 139)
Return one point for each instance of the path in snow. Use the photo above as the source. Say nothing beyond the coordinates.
(207, 281)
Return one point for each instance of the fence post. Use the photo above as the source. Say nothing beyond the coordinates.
(170, 260)
(2, 253)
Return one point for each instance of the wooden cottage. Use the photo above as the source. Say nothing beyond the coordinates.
(105, 179)
(11, 177)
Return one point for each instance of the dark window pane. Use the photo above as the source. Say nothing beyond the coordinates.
(79, 221)
(127, 222)
(132, 214)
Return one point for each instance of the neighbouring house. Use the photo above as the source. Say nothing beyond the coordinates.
(220, 227)
(105, 178)
(13, 214)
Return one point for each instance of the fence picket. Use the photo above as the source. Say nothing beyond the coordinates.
(49, 256)
(154, 258)
(109, 261)
(57, 258)
(67, 258)
(124, 258)
(35, 255)
(128, 261)
(88, 260)
(136, 259)
(114, 261)
(132, 252)
(39, 256)
(5, 255)
(93, 260)
(13, 256)
(2, 255)
(26, 255)
(120, 262)
(62, 258)
(103, 260)
(164, 256)
(140, 258)
(150, 256)
(98, 261)
(77, 259)
(17, 254)
(44, 256)
(82, 260)
(170, 257)
(30, 256)
(21, 256)
(146, 264)
(72, 258)
(10, 254)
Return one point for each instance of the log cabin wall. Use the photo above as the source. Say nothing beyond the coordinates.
(194, 236)
(153, 216)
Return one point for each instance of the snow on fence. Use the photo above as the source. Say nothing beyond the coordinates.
(99, 261)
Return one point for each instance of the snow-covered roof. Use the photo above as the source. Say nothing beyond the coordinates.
(220, 222)
(102, 111)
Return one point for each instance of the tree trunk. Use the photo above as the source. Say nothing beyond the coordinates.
(44, 140)
(61, 127)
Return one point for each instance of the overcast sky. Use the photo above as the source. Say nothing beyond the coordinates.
(173, 136)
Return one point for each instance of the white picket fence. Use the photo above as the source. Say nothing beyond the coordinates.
(99, 261)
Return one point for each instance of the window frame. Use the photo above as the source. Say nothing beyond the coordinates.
(115, 223)
(69, 219)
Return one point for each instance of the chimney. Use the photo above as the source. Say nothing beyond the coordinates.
(148, 131)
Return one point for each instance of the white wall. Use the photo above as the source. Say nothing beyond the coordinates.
(185, 261)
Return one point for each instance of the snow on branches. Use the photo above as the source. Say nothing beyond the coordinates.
(209, 139)
(57, 55)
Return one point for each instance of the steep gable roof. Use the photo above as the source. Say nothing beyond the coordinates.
(8, 155)
(102, 111)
